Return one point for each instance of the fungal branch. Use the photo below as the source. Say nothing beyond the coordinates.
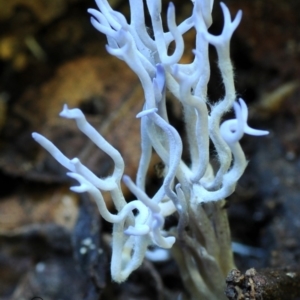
(185, 188)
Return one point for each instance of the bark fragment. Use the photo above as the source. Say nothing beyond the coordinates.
(267, 284)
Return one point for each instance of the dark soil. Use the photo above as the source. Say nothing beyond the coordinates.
(50, 55)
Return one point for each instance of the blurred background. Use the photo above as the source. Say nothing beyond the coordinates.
(53, 244)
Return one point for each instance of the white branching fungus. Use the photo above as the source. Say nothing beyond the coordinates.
(184, 186)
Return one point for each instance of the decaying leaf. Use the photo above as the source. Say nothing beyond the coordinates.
(108, 94)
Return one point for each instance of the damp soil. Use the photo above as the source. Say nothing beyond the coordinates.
(51, 55)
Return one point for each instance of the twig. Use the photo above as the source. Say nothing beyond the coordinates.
(267, 284)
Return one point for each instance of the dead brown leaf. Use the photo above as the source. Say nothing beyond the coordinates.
(39, 206)
(108, 93)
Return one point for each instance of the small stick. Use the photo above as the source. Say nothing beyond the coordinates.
(266, 284)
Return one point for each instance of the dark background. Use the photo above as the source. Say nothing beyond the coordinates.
(51, 55)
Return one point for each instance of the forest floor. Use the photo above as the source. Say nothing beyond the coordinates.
(51, 55)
